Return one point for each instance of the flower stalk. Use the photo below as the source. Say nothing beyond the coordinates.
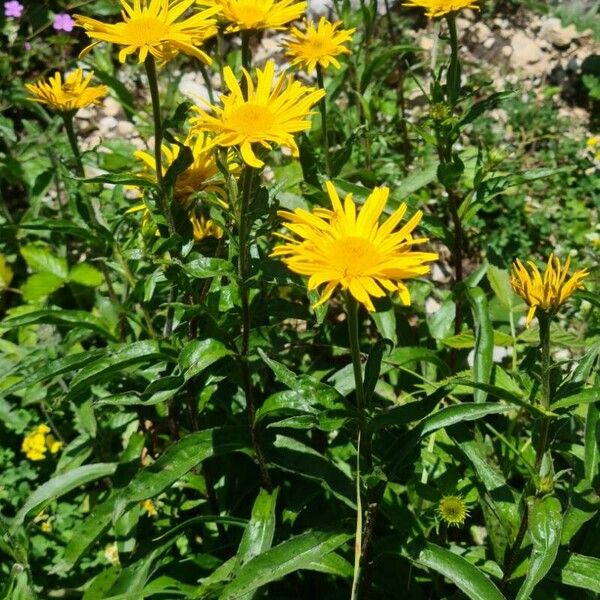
(68, 121)
(244, 226)
(324, 123)
(150, 65)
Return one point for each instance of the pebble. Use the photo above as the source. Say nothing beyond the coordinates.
(110, 107)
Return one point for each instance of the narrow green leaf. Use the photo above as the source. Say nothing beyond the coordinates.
(592, 442)
(457, 413)
(258, 535)
(545, 526)
(579, 571)
(484, 341)
(373, 367)
(114, 361)
(292, 555)
(69, 318)
(60, 485)
(583, 397)
(466, 576)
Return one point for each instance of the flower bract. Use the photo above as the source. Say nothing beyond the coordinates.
(439, 8)
(154, 27)
(69, 95)
(318, 45)
(549, 291)
(352, 250)
(273, 110)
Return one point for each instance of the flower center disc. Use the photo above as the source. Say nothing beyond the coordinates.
(318, 46)
(353, 256)
(249, 14)
(251, 119)
(145, 31)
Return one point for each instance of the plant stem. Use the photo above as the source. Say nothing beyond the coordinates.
(453, 76)
(245, 223)
(158, 136)
(363, 532)
(544, 321)
(246, 49)
(324, 124)
(68, 120)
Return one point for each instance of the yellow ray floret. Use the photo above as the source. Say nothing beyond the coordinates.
(341, 248)
(548, 292)
(274, 110)
(153, 27)
(69, 95)
(439, 8)
(257, 14)
(202, 175)
(318, 45)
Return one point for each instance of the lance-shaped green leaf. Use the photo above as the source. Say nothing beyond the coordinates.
(545, 527)
(297, 553)
(577, 570)
(258, 535)
(465, 575)
(59, 486)
(484, 341)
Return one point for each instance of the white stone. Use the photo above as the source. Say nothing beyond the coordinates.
(110, 107)
(106, 125)
(125, 128)
(506, 51)
(431, 306)
(554, 33)
(489, 43)
(192, 86)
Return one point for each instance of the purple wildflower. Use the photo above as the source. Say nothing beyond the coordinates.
(63, 22)
(13, 9)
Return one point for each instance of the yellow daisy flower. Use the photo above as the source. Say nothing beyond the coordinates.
(150, 508)
(549, 292)
(453, 510)
(202, 175)
(152, 27)
(273, 111)
(68, 96)
(439, 8)
(593, 141)
(318, 45)
(257, 14)
(340, 248)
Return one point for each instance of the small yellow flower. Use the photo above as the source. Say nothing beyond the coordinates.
(202, 175)
(593, 141)
(68, 96)
(38, 442)
(340, 248)
(203, 228)
(257, 14)
(439, 8)
(46, 527)
(111, 553)
(150, 508)
(318, 45)
(549, 292)
(453, 510)
(273, 111)
(152, 27)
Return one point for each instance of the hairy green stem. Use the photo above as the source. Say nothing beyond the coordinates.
(324, 123)
(68, 121)
(245, 223)
(150, 65)
(363, 532)
(544, 321)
